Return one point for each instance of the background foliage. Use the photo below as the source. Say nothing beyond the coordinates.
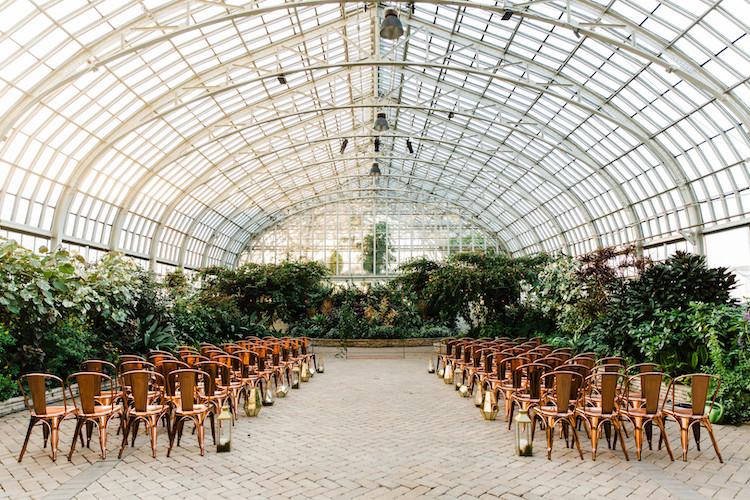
(56, 309)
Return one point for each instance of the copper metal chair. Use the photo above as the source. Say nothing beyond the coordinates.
(49, 416)
(599, 406)
(188, 407)
(696, 413)
(562, 384)
(88, 411)
(530, 395)
(105, 397)
(141, 410)
(646, 409)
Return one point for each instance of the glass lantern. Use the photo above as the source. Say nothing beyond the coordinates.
(224, 439)
(295, 377)
(430, 366)
(305, 373)
(268, 397)
(489, 408)
(321, 366)
(523, 434)
(448, 374)
(479, 396)
(253, 403)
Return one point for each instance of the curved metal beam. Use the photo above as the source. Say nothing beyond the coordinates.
(345, 200)
(274, 216)
(687, 192)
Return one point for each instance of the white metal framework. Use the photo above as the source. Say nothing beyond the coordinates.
(186, 132)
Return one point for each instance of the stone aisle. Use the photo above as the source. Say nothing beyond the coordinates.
(369, 428)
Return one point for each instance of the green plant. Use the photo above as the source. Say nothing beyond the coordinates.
(8, 372)
(153, 335)
(660, 289)
(376, 254)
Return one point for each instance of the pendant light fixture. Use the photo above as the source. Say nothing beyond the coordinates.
(391, 29)
(381, 124)
(375, 170)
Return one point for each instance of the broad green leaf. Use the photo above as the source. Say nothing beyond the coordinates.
(60, 285)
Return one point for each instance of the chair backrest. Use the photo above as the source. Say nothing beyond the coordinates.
(651, 383)
(533, 373)
(552, 361)
(139, 382)
(612, 360)
(129, 357)
(262, 353)
(608, 385)
(566, 386)
(156, 357)
(642, 368)
(165, 368)
(99, 365)
(127, 366)
(187, 379)
(191, 357)
(511, 366)
(700, 383)
(89, 386)
(304, 341)
(584, 359)
(37, 388)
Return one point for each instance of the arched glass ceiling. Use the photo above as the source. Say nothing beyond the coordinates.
(189, 128)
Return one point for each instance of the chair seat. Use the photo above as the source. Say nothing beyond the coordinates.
(683, 413)
(595, 411)
(551, 411)
(55, 411)
(197, 408)
(101, 411)
(640, 412)
(150, 410)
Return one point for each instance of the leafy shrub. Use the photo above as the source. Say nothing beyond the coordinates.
(8, 371)
(661, 288)
(208, 317)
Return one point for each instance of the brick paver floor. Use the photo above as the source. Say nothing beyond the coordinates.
(374, 425)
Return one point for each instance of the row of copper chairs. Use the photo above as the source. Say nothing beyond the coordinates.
(561, 387)
(192, 384)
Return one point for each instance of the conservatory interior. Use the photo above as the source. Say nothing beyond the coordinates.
(338, 249)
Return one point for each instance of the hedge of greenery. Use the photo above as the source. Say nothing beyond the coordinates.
(56, 309)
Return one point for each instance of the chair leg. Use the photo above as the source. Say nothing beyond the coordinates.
(213, 426)
(125, 437)
(660, 423)
(89, 431)
(45, 433)
(79, 426)
(54, 437)
(638, 432)
(572, 421)
(173, 434)
(713, 439)
(201, 432)
(26, 441)
(153, 424)
(618, 432)
(550, 437)
(595, 432)
(136, 424)
(102, 424)
(697, 435)
(684, 440)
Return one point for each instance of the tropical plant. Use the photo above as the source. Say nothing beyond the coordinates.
(376, 253)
